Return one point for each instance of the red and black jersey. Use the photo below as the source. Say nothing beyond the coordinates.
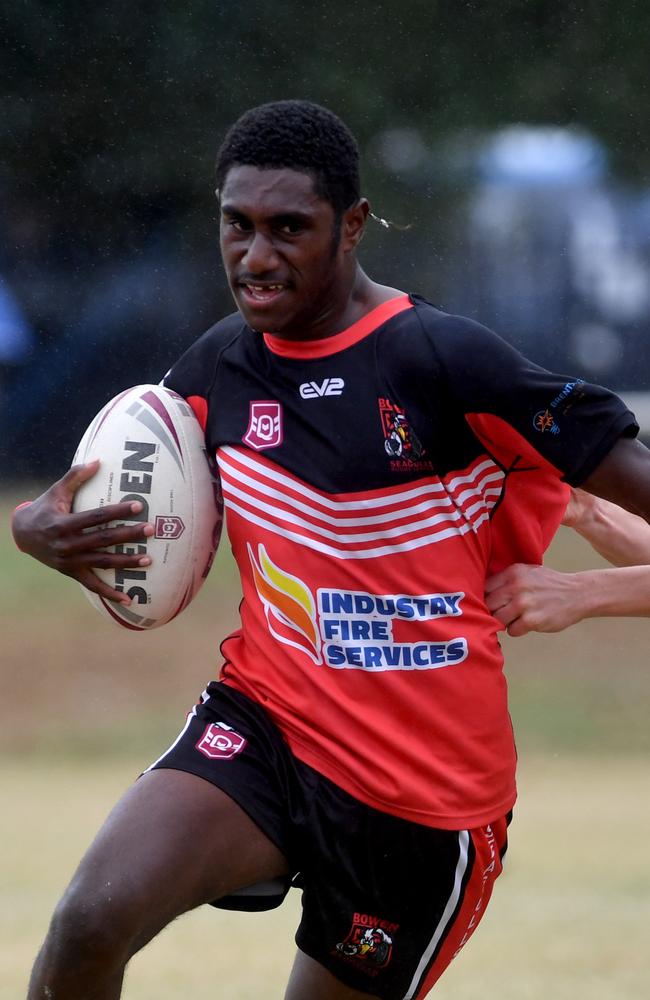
(371, 481)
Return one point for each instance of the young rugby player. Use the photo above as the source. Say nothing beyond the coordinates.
(369, 755)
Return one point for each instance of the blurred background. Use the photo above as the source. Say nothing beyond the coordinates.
(513, 140)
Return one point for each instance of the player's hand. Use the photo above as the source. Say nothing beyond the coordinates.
(74, 544)
(534, 599)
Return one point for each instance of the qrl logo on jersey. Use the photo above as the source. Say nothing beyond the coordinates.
(168, 526)
(220, 742)
(264, 425)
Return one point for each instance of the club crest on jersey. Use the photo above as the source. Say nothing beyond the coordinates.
(400, 440)
(369, 942)
(264, 424)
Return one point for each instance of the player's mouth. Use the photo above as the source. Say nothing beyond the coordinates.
(260, 295)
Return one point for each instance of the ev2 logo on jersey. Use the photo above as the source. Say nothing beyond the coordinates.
(328, 387)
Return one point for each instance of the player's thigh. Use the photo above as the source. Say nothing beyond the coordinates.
(172, 842)
(311, 981)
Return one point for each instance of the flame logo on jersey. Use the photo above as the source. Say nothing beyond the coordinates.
(288, 604)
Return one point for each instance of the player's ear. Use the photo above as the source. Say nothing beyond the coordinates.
(353, 224)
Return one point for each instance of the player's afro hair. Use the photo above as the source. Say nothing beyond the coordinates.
(301, 136)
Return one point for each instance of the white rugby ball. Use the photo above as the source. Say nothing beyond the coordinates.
(151, 448)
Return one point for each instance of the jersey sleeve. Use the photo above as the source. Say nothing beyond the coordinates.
(524, 413)
(193, 375)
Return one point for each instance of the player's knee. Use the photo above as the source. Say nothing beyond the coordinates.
(92, 925)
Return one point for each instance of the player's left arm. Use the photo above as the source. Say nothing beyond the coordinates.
(537, 598)
(623, 476)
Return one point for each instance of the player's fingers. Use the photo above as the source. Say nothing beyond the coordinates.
(129, 535)
(91, 582)
(100, 559)
(125, 511)
(68, 484)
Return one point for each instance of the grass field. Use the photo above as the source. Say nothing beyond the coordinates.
(569, 918)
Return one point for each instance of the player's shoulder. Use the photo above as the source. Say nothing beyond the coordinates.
(457, 339)
(220, 335)
(195, 369)
(446, 325)
(428, 335)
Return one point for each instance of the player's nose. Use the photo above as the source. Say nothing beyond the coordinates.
(261, 256)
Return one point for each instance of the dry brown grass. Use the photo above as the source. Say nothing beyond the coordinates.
(84, 706)
(569, 918)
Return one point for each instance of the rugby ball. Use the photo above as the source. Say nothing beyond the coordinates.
(151, 448)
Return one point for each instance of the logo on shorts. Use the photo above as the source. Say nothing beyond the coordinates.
(369, 942)
(264, 424)
(168, 526)
(220, 742)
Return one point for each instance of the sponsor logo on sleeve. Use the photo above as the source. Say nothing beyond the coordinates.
(569, 395)
(544, 421)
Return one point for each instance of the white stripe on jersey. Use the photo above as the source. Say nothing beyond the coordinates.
(381, 550)
(282, 480)
(249, 496)
(343, 522)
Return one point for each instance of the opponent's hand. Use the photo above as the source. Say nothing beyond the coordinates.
(74, 544)
(534, 599)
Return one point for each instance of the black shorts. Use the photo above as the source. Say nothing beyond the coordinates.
(386, 903)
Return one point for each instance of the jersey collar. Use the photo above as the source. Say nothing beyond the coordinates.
(308, 349)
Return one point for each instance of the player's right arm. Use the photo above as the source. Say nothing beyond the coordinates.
(76, 543)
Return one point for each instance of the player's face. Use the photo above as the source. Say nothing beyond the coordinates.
(287, 268)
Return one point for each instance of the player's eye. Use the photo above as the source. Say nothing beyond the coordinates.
(239, 223)
(290, 226)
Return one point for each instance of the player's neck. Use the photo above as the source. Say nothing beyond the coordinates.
(354, 301)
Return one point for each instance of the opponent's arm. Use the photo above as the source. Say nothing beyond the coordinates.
(74, 544)
(619, 536)
(536, 598)
(539, 599)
